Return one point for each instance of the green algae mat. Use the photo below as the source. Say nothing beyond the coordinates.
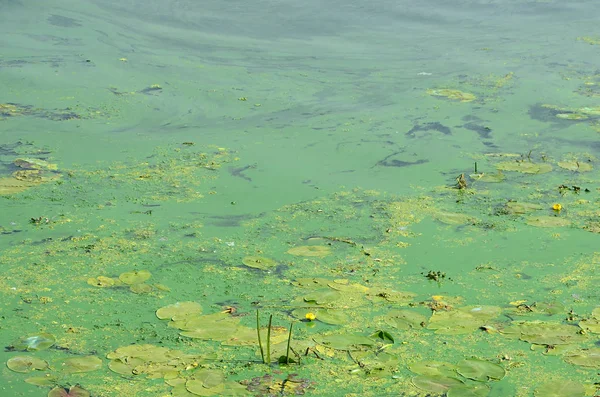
(191, 208)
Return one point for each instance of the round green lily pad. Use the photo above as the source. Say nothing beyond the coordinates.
(81, 364)
(434, 368)
(26, 364)
(42, 381)
(451, 218)
(259, 262)
(310, 250)
(140, 288)
(517, 208)
(435, 383)
(547, 221)
(480, 370)
(73, 391)
(470, 390)
(136, 277)
(526, 167)
(179, 310)
(572, 165)
(560, 388)
(589, 358)
(35, 342)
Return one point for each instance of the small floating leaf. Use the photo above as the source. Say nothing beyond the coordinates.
(405, 319)
(140, 288)
(259, 262)
(470, 390)
(136, 277)
(480, 370)
(526, 167)
(547, 221)
(42, 381)
(435, 383)
(103, 282)
(310, 250)
(560, 388)
(451, 94)
(26, 364)
(517, 208)
(573, 165)
(81, 364)
(589, 358)
(345, 342)
(179, 310)
(35, 342)
(434, 368)
(73, 391)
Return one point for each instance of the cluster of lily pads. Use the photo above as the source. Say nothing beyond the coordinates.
(28, 364)
(135, 281)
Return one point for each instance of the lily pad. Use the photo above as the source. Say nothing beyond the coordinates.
(405, 319)
(547, 221)
(140, 288)
(103, 282)
(42, 381)
(591, 325)
(545, 333)
(517, 208)
(434, 368)
(435, 383)
(135, 277)
(259, 262)
(345, 341)
(480, 370)
(451, 218)
(328, 316)
(323, 297)
(81, 364)
(73, 391)
(526, 167)
(462, 320)
(34, 164)
(469, 390)
(560, 388)
(454, 95)
(572, 165)
(26, 364)
(310, 250)
(35, 342)
(179, 310)
(589, 358)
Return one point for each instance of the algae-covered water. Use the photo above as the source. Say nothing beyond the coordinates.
(401, 197)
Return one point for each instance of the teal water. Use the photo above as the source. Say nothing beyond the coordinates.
(185, 137)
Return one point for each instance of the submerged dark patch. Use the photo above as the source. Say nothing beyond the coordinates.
(483, 131)
(63, 22)
(434, 126)
(391, 162)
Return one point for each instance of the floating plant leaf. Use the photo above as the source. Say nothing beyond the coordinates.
(589, 358)
(591, 325)
(135, 277)
(312, 282)
(209, 377)
(560, 388)
(26, 364)
(435, 383)
(451, 94)
(389, 295)
(34, 164)
(545, 333)
(462, 320)
(140, 288)
(405, 319)
(434, 368)
(259, 262)
(345, 286)
(73, 391)
(480, 370)
(517, 208)
(179, 310)
(452, 218)
(549, 307)
(323, 297)
(103, 282)
(81, 364)
(547, 221)
(328, 316)
(345, 341)
(310, 250)
(42, 381)
(35, 342)
(572, 165)
(469, 390)
(526, 167)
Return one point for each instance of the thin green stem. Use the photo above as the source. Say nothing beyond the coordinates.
(287, 353)
(262, 352)
(269, 340)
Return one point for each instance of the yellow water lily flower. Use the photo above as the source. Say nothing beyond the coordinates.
(557, 207)
(310, 316)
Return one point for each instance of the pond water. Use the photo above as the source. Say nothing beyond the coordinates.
(401, 197)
